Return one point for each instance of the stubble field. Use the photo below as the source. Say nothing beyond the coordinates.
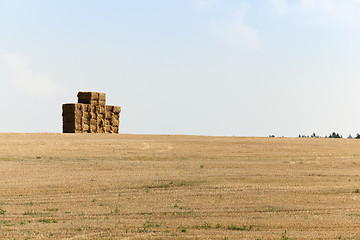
(101, 186)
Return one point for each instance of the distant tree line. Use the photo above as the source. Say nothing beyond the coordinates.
(332, 135)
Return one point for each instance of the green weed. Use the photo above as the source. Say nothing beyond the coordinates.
(2, 211)
(243, 228)
(48, 220)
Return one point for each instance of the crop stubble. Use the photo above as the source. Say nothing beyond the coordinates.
(103, 186)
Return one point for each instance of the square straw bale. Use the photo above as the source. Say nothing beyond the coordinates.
(109, 108)
(116, 109)
(85, 97)
(108, 115)
(93, 128)
(93, 122)
(68, 107)
(115, 122)
(115, 129)
(86, 121)
(102, 97)
(85, 127)
(101, 109)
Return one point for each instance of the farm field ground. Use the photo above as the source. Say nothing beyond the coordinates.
(102, 186)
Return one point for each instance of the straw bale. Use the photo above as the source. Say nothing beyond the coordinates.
(98, 122)
(72, 109)
(85, 121)
(68, 130)
(93, 128)
(78, 126)
(101, 109)
(115, 129)
(102, 104)
(79, 106)
(69, 117)
(101, 129)
(115, 121)
(68, 123)
(92, 108)
(68, 107)
(85, 128)
(94, 102)
(86, 114)
(68, 127)
(97, 103)
(78, 114)
(84, 97)
(108, 115)
(93, 122)
(109, 108)
(67, 112)
(92, 115)
(78, 120)
(101, 116)
(116, 115)
(86, 107)
(116, 109)
(102, 97)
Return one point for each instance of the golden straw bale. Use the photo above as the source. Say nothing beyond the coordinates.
(93, 128)
(115, 129)
(93, 122)
(97, 103)
(109, 108)
(116, 109)
(101, 116)
(115, 121)
(85, 128)
(108, 115)
(86, 121)
(116, 115)
(86, 97)
(86, 114)
(101, 109)
(102, 97)
(93, 115)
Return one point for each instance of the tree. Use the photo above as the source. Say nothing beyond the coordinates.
(335, 135)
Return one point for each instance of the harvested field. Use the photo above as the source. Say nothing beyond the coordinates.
(103, 186)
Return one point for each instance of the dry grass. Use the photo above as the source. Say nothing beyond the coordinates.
(99, 186)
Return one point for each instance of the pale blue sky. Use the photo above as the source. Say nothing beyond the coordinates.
(209, 67)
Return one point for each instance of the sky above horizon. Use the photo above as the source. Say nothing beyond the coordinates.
(202, 67)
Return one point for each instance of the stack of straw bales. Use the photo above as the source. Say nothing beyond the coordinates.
(91, 115)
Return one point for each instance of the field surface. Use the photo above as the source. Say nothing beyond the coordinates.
(101, 186)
